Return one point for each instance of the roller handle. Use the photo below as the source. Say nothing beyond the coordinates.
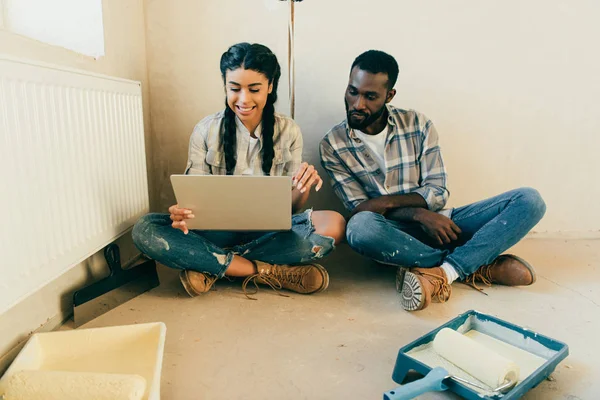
(433, 381)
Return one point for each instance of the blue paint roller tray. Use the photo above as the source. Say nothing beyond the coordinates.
(541, 353)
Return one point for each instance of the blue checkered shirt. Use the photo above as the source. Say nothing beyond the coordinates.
(412, 159)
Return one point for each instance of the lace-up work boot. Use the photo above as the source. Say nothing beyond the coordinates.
(507, 270)
(305, 279)
(419, 286)
(196, 283)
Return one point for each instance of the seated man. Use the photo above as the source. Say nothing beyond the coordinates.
(386, 166)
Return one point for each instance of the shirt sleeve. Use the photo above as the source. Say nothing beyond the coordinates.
(196, 164)
(296, 146)
(433, 173)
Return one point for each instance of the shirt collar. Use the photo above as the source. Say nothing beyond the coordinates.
(240, 126)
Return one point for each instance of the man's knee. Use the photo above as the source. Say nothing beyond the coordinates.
(533, 201)
(362, 229)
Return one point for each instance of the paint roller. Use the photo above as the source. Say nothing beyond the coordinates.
(489, 367)
(63, 385)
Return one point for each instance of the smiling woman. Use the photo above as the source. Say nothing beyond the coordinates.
(247, 138)
(251, 75)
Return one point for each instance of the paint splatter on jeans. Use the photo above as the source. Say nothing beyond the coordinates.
(212, 251)
(489, 227)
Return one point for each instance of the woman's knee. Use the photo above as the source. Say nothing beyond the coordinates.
(144, 229)
(140, 228)
(329, 223)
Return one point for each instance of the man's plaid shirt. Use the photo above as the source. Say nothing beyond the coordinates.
(412, 159)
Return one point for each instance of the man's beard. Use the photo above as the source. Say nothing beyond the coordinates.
(368, 120)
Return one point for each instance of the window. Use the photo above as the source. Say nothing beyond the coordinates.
(72, 24)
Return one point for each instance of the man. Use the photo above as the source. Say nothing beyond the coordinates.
(386, 167)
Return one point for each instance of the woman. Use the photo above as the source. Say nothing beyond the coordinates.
(247, 138)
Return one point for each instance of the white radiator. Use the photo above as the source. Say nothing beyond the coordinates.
(73, 167)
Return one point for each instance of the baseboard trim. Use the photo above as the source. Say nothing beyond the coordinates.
(567, 235)
(51, 325)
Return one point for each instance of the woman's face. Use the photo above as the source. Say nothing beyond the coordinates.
(247, 92)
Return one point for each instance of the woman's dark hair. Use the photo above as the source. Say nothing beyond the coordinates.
(259, 58)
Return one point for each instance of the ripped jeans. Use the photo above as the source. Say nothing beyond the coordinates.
(211, 252)
(489, 227)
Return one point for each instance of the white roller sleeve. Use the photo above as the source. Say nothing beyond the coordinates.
(474, 358)
(60, 385)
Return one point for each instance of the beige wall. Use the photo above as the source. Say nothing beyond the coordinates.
(185, 43)
(512, 87)
(125, 57)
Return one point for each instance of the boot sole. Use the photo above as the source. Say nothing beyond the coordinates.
(187, 285)
(412, 297)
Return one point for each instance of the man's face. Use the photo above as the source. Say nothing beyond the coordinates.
(366, 96)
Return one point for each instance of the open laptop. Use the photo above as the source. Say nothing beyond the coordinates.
(234, 202)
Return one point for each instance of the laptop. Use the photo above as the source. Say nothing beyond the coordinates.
(234, 202)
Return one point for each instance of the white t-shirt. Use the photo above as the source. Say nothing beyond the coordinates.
(376, 146)
(250, 154)
(248, 148)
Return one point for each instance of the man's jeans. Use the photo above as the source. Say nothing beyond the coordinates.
(211, 252)
(489, 227)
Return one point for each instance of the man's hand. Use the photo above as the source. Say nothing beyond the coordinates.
(178, 216)
(439, 227)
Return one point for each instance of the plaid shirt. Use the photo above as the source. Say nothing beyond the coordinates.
(206, 156)
(412, 158)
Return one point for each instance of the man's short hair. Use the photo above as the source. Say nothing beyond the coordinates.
(375, 61)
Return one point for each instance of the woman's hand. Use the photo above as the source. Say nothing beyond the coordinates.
(178, 216)
(306, 177)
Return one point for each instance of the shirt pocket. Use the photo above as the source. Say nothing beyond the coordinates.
(281, 158)
(216, 161)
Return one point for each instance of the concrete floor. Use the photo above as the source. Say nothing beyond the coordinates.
(343, 343)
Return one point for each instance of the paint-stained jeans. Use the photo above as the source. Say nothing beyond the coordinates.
(489, 227)
(212, 251)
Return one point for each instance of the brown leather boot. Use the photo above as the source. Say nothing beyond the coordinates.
(419, 286)
(196, 283)
(305, 279)
(507, 269)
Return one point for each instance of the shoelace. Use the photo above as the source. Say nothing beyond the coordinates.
(210, 280)
(483, 274)
(441, 289)
(295, 278)
(267, 279)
